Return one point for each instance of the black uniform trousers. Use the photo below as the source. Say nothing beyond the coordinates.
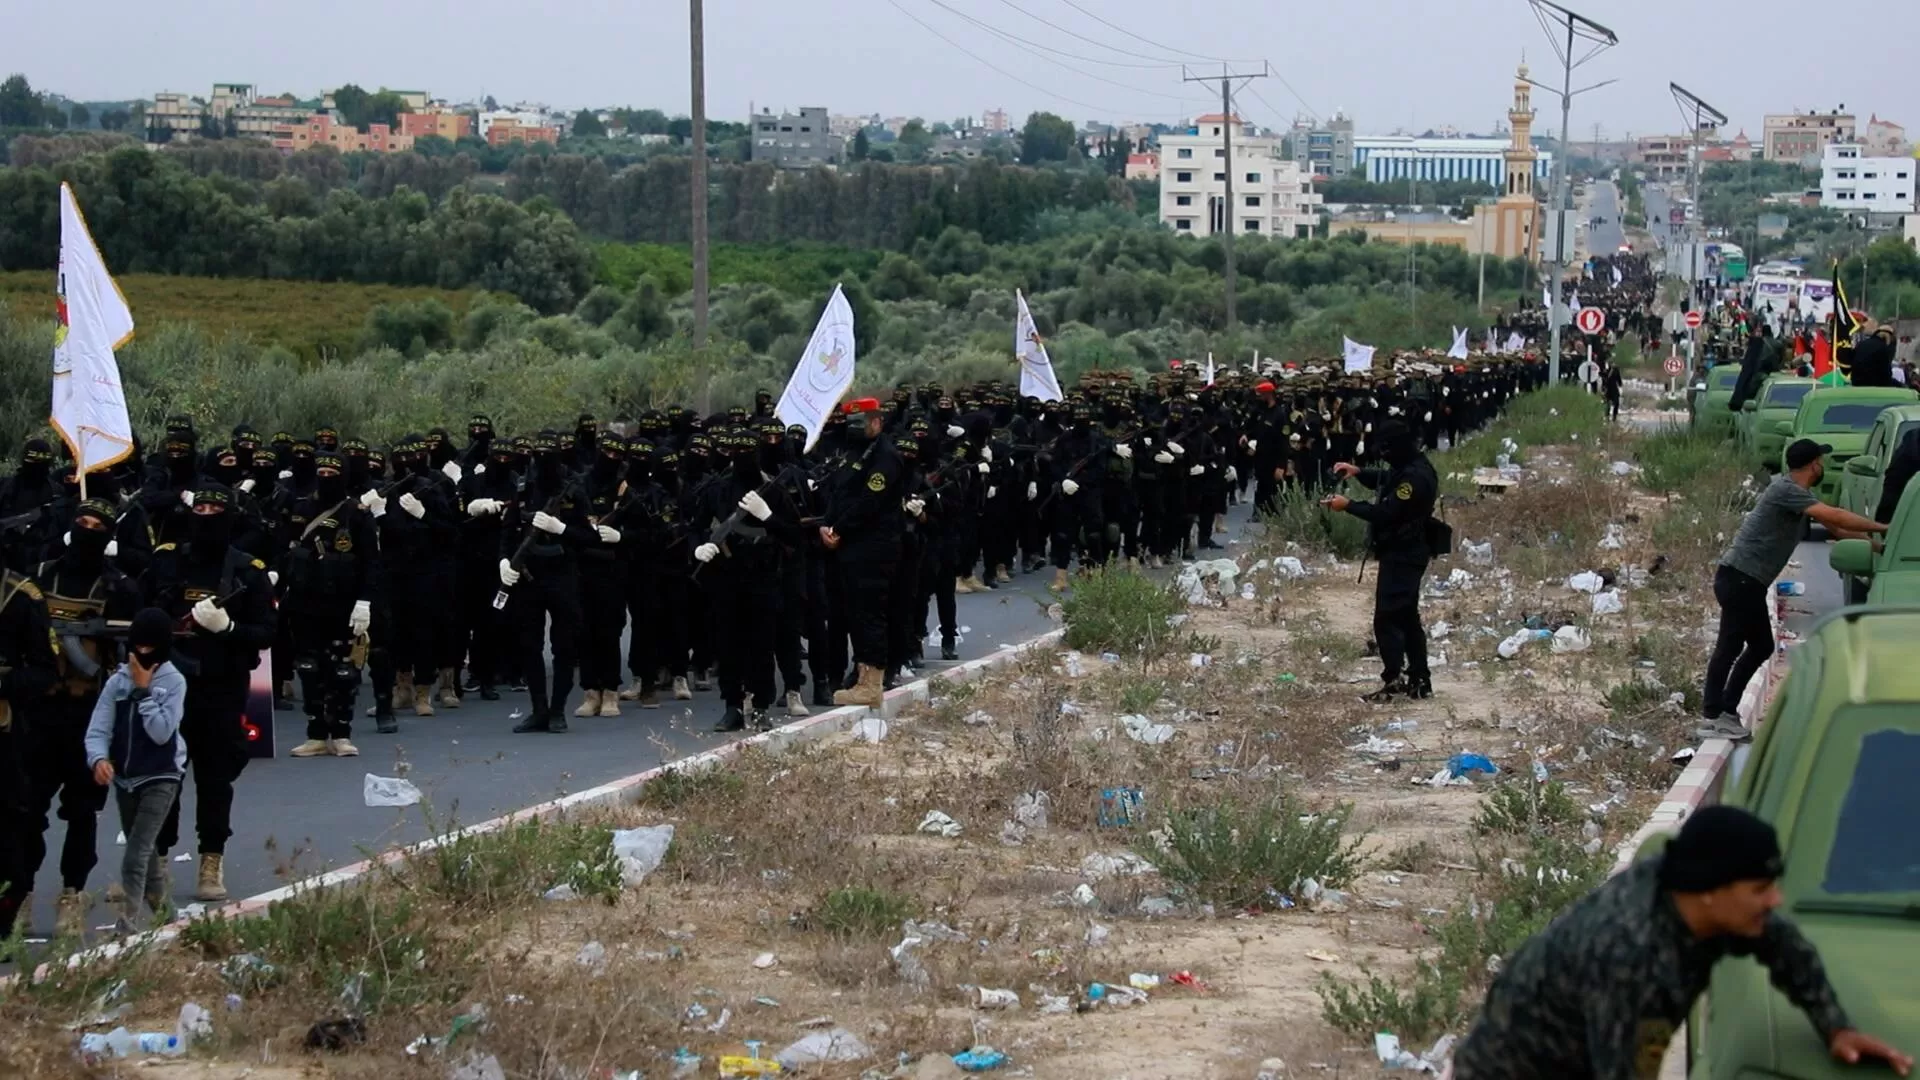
(1078, 527)
(999, 532)
(56, 745)
(322, 657)
(603, 609)
(1396, 619)
(16, 879)
(421, 629)
(905, 608)
(549, 593)
(866, 582)
(743, 604)
(217, 753)
(791, 625)
(484, 633)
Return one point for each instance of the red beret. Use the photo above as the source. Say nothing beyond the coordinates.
(1265, 387)
(861, 405)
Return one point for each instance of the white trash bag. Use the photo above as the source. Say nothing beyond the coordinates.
(640, 851)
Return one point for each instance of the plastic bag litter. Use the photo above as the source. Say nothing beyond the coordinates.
(1480, 554)
(1286, 566)
(1571, 638)
(1615, 538)
(977, 718)
(822, 1048)
(640, 851)
(390, 791)
(1608, 603)
(979, 1059)
(870, 729)
(484, 1068)
(938, 823)
(1030, 809)
(1126, 864)
(1192, 581)
(1459, 579)
(989, 998)
(1142, 730)
(1439, 631)
(1510, 646)
(1586, 581)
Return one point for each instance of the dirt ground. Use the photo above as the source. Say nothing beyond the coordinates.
(781, 908)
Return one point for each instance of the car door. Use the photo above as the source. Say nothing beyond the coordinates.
(1855, 493)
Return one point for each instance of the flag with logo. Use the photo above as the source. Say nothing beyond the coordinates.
(1458, 350)
(89, 403)
(824, 373)
(1036, 370)
(1358, 357)
(1515, 342)
(1842, 326)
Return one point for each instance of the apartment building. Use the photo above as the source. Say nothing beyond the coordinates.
(1854, 182)
(798, 140)
(1802, 138)
(326, 129)
(1272, 195)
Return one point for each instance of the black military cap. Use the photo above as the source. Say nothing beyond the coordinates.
(326, 459)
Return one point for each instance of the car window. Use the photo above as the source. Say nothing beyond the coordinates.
(1787, 396)
(1850, 416)
(1725, 376)
(1868, 855)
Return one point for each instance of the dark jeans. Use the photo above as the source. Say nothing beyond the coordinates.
(143, 812)
(1396, 620)
(1745, 641)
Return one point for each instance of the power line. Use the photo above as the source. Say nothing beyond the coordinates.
(1018, 43)
(1076, 34)
(1137, 37)
(1048, 48)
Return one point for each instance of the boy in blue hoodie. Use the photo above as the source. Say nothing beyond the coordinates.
(134, 745)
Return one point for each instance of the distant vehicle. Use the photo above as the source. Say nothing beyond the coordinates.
(1778, 399)
(1626, 249)
(1713, 393)
(1831, 767)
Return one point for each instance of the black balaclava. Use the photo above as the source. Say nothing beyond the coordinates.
(212, 530)
(302, 463)
(480, 432)
(87, 548)
(743, 453)
(36, 462)
(180, 465)
(223, 465)
(327, 438)
(329, 478)
(762, 403)
(697, 461)
(606, 463)
(546, 461)
(640, 460)
(1397, 444)
(264, 472)
(152, 628)
(439, 446)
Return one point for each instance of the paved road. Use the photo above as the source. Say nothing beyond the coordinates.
(293, 818)
(1657, 206)
(1603, 206)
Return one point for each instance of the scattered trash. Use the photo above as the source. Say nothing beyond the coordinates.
(1510, 647)
(1141, 981)
(979, 1059)
(870, 729)
(1614, 539)
(1439, 631)
(988, 998)
(1608, 603)
(732, 1065)
(1480, 554)
(1286, 566)
(1156, 905)
(120, 1043)
(1055, 1004)
(1459, 579)
(1586, 581)
(1142, 730)
(1624, 468)
(640, 851)
(1071, 666)
(561, 892)
(1126, 864)
(1083, 895)
(248, 972)
(822, 1048)
(1571, 638)
(1097, 934)
(1387, 1048)
(1199, 660)
(1272, 1069)
(765, 960)
(592, 955)
(390, 791)
(977, 718)
(1030, 809)
(938, 823)
(1120, 807)
(1186, 979)
(482, 1068)
(1468, 764)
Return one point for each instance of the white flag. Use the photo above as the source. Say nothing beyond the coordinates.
(1515, 342)
(89, 404)
(1546, 296)
(1459, 349)
(1359, 357)
(824, 373)
(1036, 370)
(1493, 343)
(1573, 303)
(1209, 369)
(1616, 275)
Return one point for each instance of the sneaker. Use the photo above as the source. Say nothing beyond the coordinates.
(343, 748)
(949, 650)
(311, 748)
(680, 690)
(536, 722)
(385, 724)
(795, 706)
(159, 891)
(1420, 688)
(1725, 726)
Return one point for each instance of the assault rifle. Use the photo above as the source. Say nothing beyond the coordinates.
(1083, 463)
(519, 560)
(729, 526)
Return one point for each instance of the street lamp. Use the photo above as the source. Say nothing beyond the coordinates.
(1699, 116)
(1579, 29)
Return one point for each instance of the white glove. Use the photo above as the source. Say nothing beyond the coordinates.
(608, 534)
(1446, 391)
(273, 577)
(1425, 417)
(986, 454)
(916, 506)
(286, 474)
(1033, 491)
(187, 497)
(753, 503)
(66, 539)
(1361, 447)
(1163, 458)
(452, 471)
(113, 548)
(1253, 446)
(247, 485)
(1197, 470)
(1069, 487)
(985, 469)
(547, 523)
(483, 507)
(812, 485)
(209, 615)
(1369, 428)
(480, 469)
(369, 498)
(954, 431)
(375, 505)
(1146, 440)
(1123, 450)
(706, 552)
(1176, 448)
(413, 506)
(992, 491)
(1233, 474)
(361, 618)
(508, 575)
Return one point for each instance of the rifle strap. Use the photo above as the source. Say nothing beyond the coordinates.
(315, 523)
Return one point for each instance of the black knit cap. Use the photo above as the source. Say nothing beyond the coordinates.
(1718, 846)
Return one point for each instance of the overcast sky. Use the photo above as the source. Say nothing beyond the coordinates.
(1389, 63)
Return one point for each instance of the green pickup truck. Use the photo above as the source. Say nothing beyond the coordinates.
(1833, 768)
(1841, 417)
(1711, 396)
(1778, 399)
(1861, 477)
(1890, 575)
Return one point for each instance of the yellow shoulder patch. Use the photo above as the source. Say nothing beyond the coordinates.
(53, 636)
(258, 565)
(876, 481)
(1403, 492)
(165, 547)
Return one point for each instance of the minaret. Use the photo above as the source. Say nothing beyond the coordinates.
(1520, 156)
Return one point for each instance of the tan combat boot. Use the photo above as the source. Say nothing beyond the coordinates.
(866, 691)
(422, 700)
(590, 706)
(212, 884)
(960, 586)
(1000, 575)
(403, 686)
(449, 688)
(609, 703)
(1059, 581)
(312, 748)
(633, 689)
(974, 584)
(70, 913)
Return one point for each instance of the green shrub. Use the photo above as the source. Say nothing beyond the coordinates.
(502, 867)
(862, 912)
(1524, 806)
(1113, 610)
(1676, 458)
(1298, 517)
(1416, 1008)
(1239, 854)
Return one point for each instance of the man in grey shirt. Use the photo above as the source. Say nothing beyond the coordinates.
(1760, 550)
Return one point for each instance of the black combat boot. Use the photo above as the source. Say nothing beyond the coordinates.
(536, 722)
(1395, 687)
(733, 720)
(949, 649)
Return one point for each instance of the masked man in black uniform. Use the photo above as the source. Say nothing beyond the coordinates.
(331, 572)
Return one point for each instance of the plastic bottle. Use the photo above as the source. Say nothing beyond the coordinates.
(1790, 588)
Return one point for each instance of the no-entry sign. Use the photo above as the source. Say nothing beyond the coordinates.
(1693, 320)
(1590, 320)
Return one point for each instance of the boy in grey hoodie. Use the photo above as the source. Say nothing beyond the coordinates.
(134, 745)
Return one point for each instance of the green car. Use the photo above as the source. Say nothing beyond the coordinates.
(1778, 399)
(1841, 417)
(1892, 574)
(1833, 769)
(1860, 477)
(1711, 397)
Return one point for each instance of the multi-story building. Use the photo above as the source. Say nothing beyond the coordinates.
(1666, 157)
(436, 120)
(1852, 181)
(174, 113)
(1272, 196)
(326, 129)
(507, 130)
(798, 140)
(1395, 158)
(846, 127)
(1145, 166)
(996, 122)
(1324, 150)
(1884, 138)
(1912, 231)
(1802, 138)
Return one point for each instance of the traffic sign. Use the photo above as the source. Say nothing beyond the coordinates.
(1673, 365)
(1693, 320)
(1590, 320)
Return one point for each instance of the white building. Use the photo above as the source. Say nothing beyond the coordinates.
(1912, 231)
(1866, 185)
(1271, 194)
(1385, 159)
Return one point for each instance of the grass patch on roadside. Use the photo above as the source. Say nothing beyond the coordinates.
(1550, 417)
(1121, 612)
(1297, 517)
(1685, 459)
(1245, 855)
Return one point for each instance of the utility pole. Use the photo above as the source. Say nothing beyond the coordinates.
(1699, 116)
(696, 33)
(1227, 209)
(1579, 28)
